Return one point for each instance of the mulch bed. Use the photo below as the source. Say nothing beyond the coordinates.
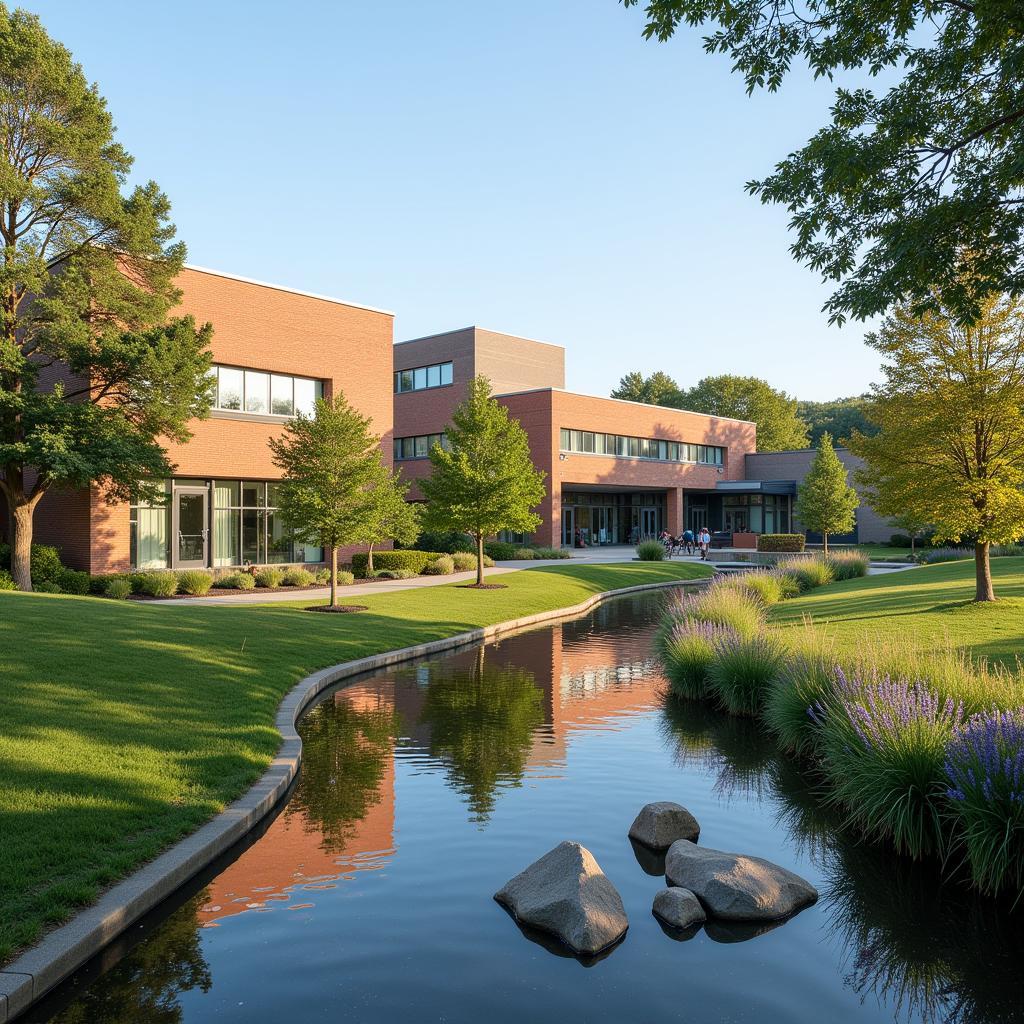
(228, 592)
(483, 586)
(337, 608)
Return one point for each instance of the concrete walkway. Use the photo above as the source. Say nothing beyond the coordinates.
(585, 556)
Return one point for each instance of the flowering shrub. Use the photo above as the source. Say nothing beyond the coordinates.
(985, 769)
(687, 648)
(884, 746)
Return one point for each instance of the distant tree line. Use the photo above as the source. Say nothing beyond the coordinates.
(783, 422)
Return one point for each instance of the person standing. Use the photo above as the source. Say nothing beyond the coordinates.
(688, 540)
(704, 543)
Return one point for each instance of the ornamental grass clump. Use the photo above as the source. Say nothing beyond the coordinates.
(804, 679)
(742, 669)
(268, 578)
(765, 587)
(440, 566)
(650, 551)
(195, 582)
(687, 648)
(809, 573)
(158, 584)
(985, 770)
(723, 605)
(848, 565)
(464, 561)
(883, 747)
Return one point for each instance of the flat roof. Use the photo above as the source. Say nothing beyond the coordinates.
(283, 288)
(477, 327)
(625, 401)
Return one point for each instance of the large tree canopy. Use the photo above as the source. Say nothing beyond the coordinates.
(658, 389)
(92, 379)
(838, 418)
(950, 448)
(888, 197)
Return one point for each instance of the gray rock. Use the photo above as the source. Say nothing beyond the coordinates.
(660, 824)
(567, 894)
(678, 907)
(735, 887)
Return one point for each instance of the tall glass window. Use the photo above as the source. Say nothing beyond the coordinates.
(230, 387)
(227, 522)
(282, 395)
(150, 533)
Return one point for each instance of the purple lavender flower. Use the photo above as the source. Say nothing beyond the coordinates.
(986, 757)
(879, 707)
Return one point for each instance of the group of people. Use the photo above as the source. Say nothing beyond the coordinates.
(688, 541)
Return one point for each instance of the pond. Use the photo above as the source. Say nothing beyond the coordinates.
(425, 788)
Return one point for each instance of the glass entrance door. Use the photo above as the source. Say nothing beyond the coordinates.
(568, 527)
(648, 522)
(190, 528)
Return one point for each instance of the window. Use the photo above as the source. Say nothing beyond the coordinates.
(230, 384)
(248, 528)
(257, 392)
(623, 446)
(418, 447)
(419, 378)
(282, 395)
(150, 533)
(260, 393)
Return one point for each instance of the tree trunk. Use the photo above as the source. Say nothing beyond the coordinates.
(21, 544)
(983, 573)
(369, 561)
(334, 576)
(479, 559)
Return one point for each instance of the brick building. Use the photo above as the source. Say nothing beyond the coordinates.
(614, 470)
(275, 351)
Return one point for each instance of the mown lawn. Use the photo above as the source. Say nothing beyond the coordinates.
(931, 605)
(127, 725)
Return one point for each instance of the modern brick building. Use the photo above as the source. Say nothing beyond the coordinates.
(614, 470)
(275, 351)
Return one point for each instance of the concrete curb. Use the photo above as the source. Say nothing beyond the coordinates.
(68, 947)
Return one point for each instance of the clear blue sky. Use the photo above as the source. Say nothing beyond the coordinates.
(533, 168)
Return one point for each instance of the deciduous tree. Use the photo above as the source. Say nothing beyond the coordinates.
(750, 398)
(331, 464)
(950, 448)
(484, 481)
(92, 379)
(391, 516)
(906, 178)
(826, 503)
(657, 389)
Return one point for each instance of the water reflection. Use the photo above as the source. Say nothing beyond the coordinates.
(927, 949)
(150, 979)
(736, 751)
(402, 771)
(481, 724)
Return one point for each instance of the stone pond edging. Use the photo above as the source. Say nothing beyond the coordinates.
(67, 948)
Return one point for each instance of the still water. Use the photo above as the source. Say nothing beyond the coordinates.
(425, 788)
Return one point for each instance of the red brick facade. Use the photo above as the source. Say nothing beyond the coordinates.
(528, 378)
(258, 327)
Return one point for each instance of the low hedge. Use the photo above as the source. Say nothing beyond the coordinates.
(781, 542)
(501, 550)
(414, 561)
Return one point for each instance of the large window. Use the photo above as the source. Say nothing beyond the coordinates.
(247, 527)
(418, 447)
(419, 378)
(150, 532)
(590, 442)
(262, 394)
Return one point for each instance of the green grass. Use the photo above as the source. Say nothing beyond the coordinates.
(883, 552)
(931, 605)
(127, 725)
